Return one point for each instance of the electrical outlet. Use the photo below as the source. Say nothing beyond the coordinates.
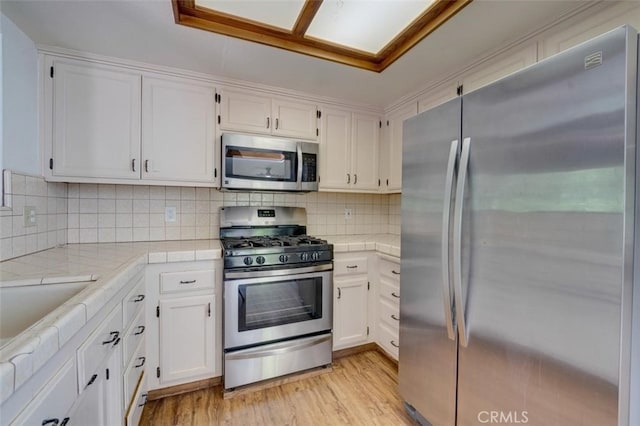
(30, 217)
(169, 214)
(347, 214)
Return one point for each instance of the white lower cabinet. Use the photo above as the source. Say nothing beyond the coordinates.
(388, 307)
(350, 300)
(184, 320)
(186, 338)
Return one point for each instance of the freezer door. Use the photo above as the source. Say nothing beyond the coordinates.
(427, 358)
(546, 233)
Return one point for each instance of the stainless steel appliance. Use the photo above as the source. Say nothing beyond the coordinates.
(264, 163)
(277, 294)
(518, 216)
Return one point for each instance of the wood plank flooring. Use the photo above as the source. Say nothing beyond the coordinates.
(361, 389)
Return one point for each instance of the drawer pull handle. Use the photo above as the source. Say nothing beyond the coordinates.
(142, 361)
(50, 422)
(395, 295)
(93, 379)
(139, 298)
(65, 421)
(116, 342)
(395, 272)
(352, 266)
(188, 282)
(339, 293)
(144, 395)
(394, 344)
(114, 336)
(395, 317)
(140, 330)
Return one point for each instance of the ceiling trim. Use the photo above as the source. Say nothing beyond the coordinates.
(187, 13)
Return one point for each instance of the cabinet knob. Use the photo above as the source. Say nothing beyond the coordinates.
(114, 336)
(348, 178)
(146, 166)
(268, 122)
(395, 295)
(139, 298)
(50, 422)
(355, 179)
(140, 330)
(394, 344)
(133, 165)
(277, 123)
(393, 316)
(339, 293)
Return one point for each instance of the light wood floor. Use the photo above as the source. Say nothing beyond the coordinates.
(361, 389)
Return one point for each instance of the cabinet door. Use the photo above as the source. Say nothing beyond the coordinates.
(96, 125)
(393, 180)
(350, 311)
(335, 149)
(364, 151)
(186, 338)
(245, 112)
(178, 130)
(295, 119)
(496, 68)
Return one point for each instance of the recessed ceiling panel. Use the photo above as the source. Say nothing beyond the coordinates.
(364, 24)
(278, 13)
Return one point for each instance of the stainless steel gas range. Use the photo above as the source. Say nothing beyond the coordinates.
(277, 294)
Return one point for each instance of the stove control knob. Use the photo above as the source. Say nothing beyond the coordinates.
(284, 258)
(260, 260)
(248, 260)
(304, 257)
(315, 255)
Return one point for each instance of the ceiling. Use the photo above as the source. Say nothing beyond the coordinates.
(368, 34)
(144, 30)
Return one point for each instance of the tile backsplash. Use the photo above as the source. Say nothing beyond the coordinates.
(50, 202)
(89, 213)
(107, 213)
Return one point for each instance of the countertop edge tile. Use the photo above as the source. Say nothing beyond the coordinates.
(181, 256)
(157, 257)
(7, 378)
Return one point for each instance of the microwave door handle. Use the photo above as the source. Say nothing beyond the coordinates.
(299, 177)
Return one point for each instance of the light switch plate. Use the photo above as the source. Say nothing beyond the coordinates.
(348, 214)
(169, 214)
(30, 216)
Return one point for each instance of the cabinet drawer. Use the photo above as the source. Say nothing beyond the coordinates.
(171, 282)
(388, 311)
(97, 346)
(54, 400)
(388, 339)
(133, 302)
(350, 266)
(133, 372)
(390, 289)
(134, 335)
(134, 411)
(389, 269)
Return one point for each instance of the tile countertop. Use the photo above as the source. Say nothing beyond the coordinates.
(111, 266)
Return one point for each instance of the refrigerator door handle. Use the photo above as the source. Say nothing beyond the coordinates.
(446, 226)
(463, 329)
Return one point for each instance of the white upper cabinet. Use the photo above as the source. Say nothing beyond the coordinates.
(498, 67)
(295, 119)
(96, 120)
(178, 130)
(335, 148)
(437, 96)
(364, 151)
(391, 152)
(349, 150)
(242, 111)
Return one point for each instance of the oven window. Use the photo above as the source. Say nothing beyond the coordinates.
(269, 304)
(261, 164)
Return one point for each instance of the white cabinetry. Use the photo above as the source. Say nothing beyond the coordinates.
(498, 67)
(350, 300)
(178, 130)
(184, 341)
(391, 148)
(96, 120)
(388, 319)
(116, 125)
(349, 150)
(438, 95)
(246, 112)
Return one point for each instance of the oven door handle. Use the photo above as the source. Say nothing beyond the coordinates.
(277, 348)
(230, 274)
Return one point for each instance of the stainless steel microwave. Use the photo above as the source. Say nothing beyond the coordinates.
(263, 163)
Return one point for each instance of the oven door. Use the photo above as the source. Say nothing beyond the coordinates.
(269, 309)
(261, 163)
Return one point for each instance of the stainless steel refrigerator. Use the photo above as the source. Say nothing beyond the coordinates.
(518, 214)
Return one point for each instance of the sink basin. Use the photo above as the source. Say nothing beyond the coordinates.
(23, 306)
